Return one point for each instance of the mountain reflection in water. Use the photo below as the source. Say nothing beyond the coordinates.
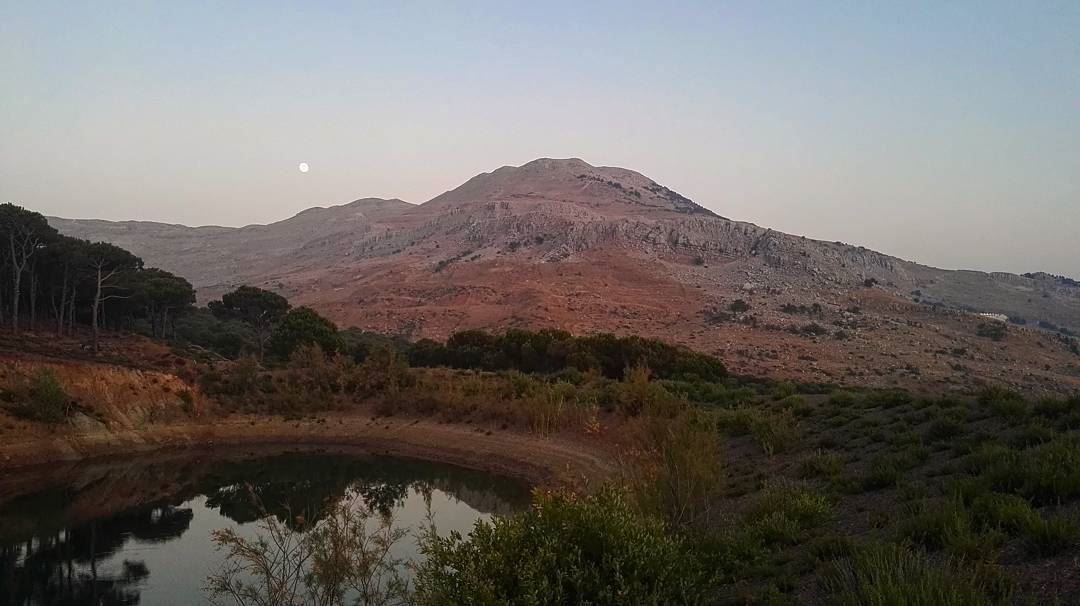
(117, 533)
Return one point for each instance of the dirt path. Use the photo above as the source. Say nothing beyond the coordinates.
(538, 460)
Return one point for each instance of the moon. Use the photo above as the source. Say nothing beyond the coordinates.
(304, 167)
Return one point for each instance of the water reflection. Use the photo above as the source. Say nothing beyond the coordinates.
(99, 534)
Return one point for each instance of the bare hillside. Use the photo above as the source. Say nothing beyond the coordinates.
(563, 243)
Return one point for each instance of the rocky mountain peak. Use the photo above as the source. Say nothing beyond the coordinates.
(603, 189)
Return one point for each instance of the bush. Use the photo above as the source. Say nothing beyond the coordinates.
(636, 393)
(842, 399)
(239, 378)
(948, 525)
(774, 431)
(893, 575)
(885, 471)
(1046, 474)
(888, 398)
(797, 502)
(230, 338)
(187, 401)
(784, 389)
(562, 550)
(821, 464)
(45, 399)
(942, 429)
(739, 306)
(1055, 408)
(995, 331)
(682, 480)
(1005, 512)
(1050, 537)
(812, 329)
(548, 351)
(1004, 403)
(303, 326)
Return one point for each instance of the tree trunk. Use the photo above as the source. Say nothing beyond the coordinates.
(94, 309)
(63, 300)
(71, 312)
(260, 335)
(16, 278)
(33, 298)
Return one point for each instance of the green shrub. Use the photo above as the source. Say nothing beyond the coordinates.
(1004, 403)
(239, 378)
(784, 389)
(843, 399)
(947, 524)
(888, 398)
(546, 351)
(1031, 434)
(562, 550)
(187, 401)
(1005, 512)
(812, 329)
(942, 429)
(636, 393)
(304, 326)
(1048, 473)
(801, 504)
(885, 471)
(798, 406)
(1054, 408)
(893, 575)
(830, 547)
(995, 331)
(821, 464)
(737, 421)
(774, 431)
(1050, 537)
(775, 529)
(682, 481)
(46, 400)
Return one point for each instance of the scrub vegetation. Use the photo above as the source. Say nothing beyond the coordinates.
(762, 492)
(733, 490)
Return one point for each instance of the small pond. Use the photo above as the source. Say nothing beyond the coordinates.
(111, 532)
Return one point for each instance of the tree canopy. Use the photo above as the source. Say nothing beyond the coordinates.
(554, 350)
(261, 309)
(44, 273)
(304, 326)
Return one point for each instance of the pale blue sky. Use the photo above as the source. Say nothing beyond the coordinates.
(943, 132)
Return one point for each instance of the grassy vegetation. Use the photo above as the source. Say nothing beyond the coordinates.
(889, 497)
(893, 575)
(776, 492)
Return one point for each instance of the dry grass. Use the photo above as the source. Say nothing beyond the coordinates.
(116, 396)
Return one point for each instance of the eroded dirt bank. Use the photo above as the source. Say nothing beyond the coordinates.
(132, 410)
(537, 460)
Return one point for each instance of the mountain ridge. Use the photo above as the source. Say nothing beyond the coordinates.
(562, 243)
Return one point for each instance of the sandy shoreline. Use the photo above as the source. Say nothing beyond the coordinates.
(537, 460)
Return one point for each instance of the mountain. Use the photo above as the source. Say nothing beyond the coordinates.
(219, 256)
(563, 243)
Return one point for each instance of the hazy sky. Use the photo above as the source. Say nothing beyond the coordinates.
(944, 132)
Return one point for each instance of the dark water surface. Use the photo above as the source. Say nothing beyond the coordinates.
(138, 531)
